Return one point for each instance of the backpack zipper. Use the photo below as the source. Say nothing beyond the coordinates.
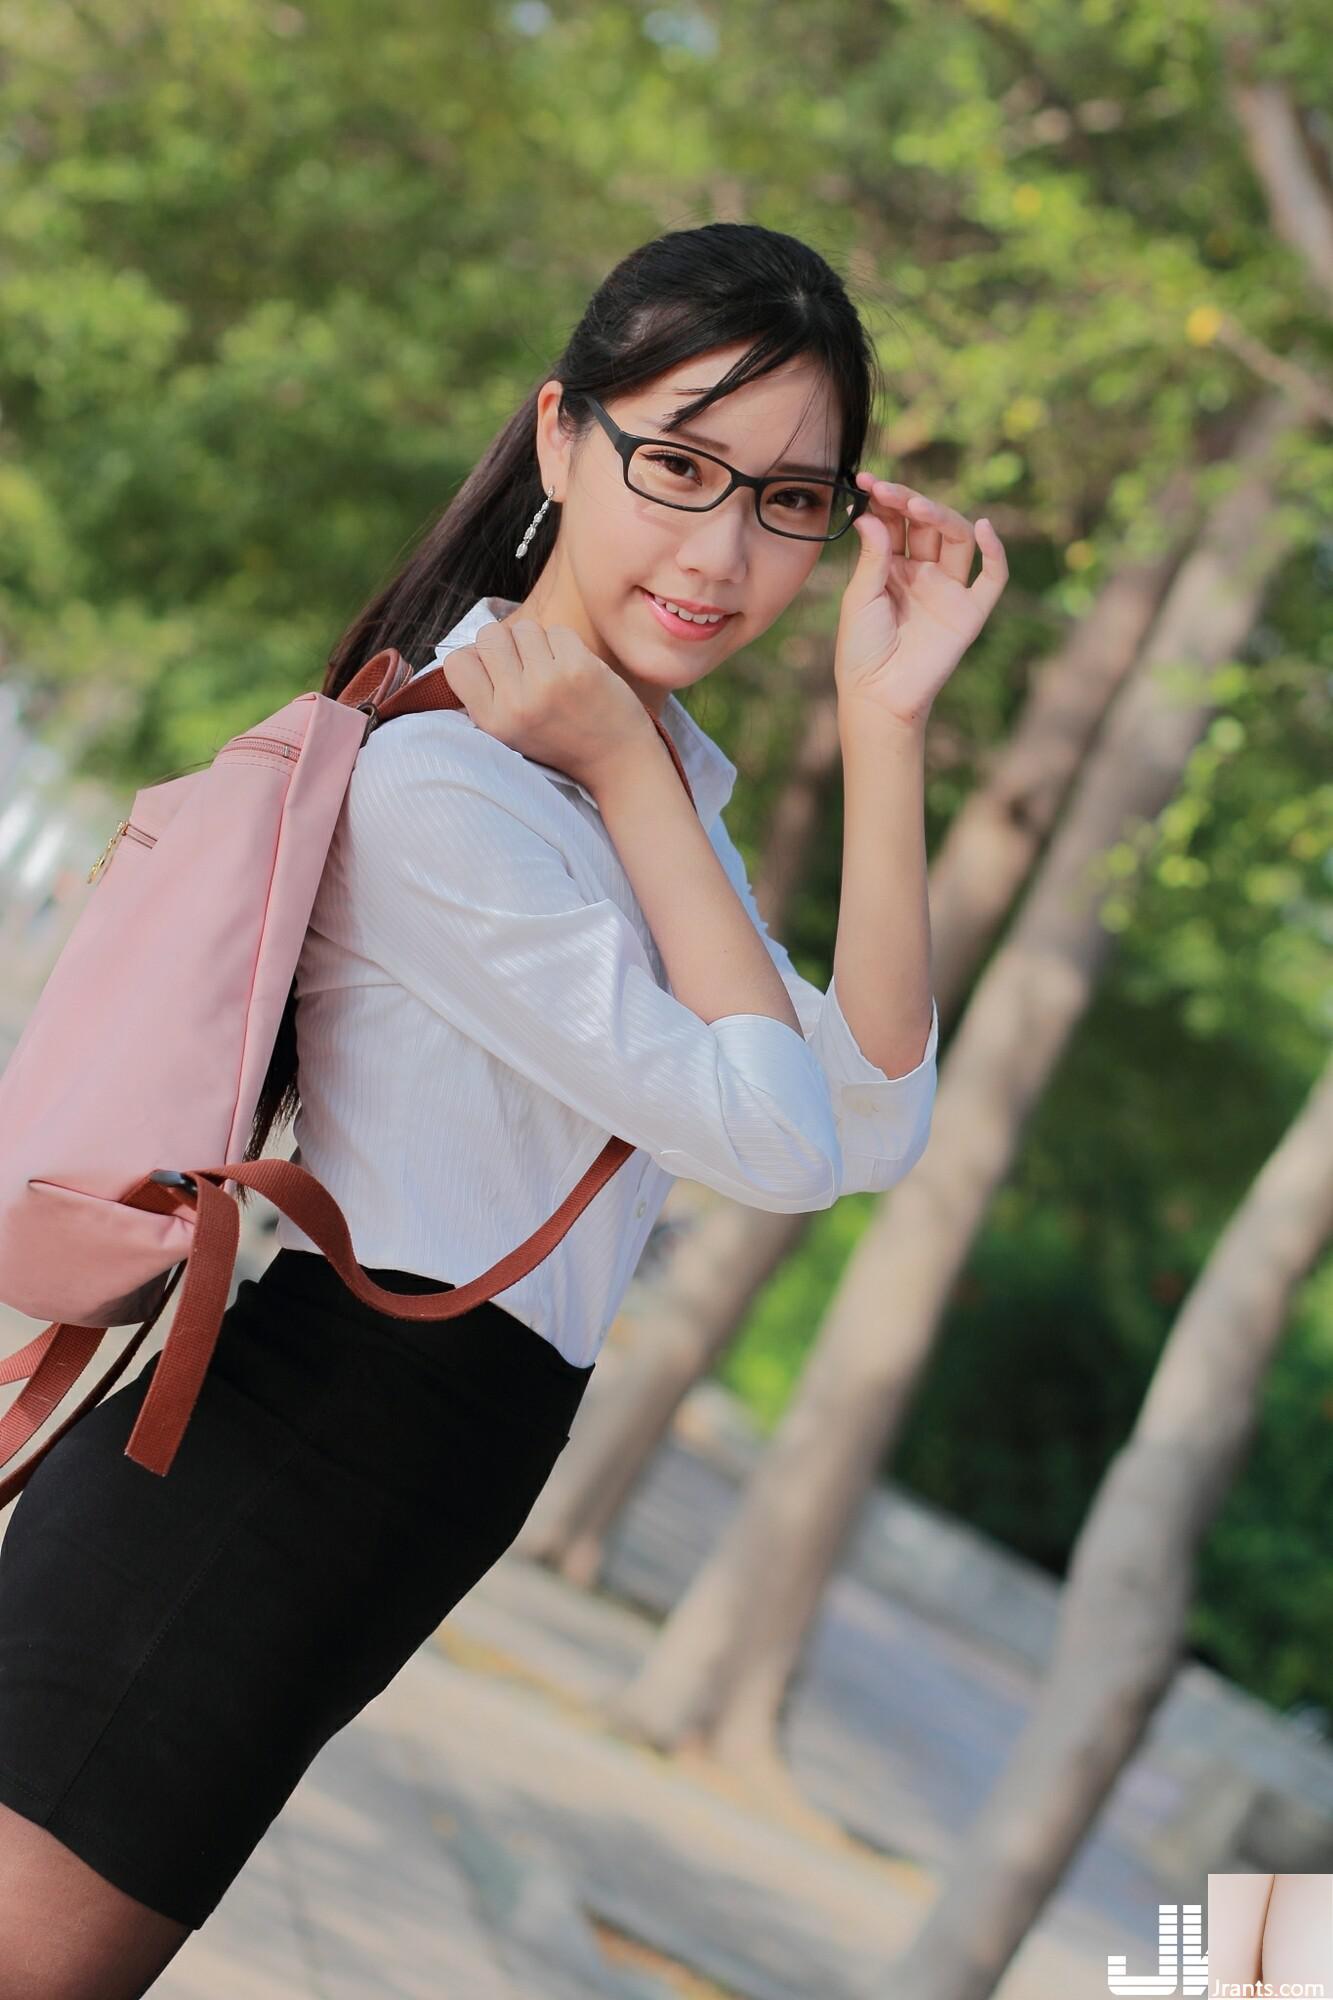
(123, 831)
(276, 746)
(270, 746)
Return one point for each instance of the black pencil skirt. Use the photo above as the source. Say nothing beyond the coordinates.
(175, 1649)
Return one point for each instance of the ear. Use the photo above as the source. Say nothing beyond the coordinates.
(554, 442)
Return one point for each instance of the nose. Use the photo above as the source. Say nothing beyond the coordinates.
(715, 541)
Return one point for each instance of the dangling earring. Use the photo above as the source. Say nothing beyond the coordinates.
(522, 548)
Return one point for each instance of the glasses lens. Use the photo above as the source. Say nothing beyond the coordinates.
(813, 509)
(681, 477)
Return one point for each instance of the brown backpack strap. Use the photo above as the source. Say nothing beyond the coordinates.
(54, 1360)
(193, 1333)
(67, 1349)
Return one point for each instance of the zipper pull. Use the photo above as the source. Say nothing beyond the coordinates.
(107, 852)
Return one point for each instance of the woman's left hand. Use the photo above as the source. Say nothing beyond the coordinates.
(906, 620)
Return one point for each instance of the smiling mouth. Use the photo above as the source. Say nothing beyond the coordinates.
(698, 620)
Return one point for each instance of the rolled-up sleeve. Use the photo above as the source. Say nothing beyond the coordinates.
(883, 1121)
(463, 902)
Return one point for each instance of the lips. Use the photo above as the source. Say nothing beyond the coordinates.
(689, 604)
(681, 628)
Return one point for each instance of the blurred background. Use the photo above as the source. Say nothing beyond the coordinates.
(936, 1585)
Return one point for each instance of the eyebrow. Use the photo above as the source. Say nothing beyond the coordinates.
(714, 444)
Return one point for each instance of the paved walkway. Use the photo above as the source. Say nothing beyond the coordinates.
(472, 1835)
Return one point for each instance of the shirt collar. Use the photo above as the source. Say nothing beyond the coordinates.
(710, 771)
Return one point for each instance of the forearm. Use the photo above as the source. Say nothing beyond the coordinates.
(881, 958)
(716, 960)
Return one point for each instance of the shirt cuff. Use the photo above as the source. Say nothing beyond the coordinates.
(845, 1061)
(776, 1059)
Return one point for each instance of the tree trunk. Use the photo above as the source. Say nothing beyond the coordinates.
(1298, 200)
(1131, 1580)
(794, 827)
(728, 1255)
(995, 838)
(726, 1654)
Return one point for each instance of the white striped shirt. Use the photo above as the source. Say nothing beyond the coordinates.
(481, 1005)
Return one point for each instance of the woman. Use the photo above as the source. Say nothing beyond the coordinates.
(482, 999)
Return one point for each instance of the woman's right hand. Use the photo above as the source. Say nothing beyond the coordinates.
(546, 694)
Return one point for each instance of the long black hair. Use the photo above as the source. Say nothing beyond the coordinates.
(680, 295)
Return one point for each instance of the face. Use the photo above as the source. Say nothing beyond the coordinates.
(615, 550)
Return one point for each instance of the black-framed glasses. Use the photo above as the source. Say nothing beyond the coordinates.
(680, 475)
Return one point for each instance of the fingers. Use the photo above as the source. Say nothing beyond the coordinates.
(883, 508)
(497, 645)
(994, 573)
(488, 674)
(529, 647)
(938, 534)
(467, 674)
(920, 516)
(504, 650)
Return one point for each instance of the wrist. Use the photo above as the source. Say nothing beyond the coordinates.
(637, 758)
(867, 729)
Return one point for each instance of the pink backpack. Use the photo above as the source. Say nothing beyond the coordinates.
(137, 1074)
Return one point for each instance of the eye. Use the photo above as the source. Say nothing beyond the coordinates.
(802, 498)
(670, 460)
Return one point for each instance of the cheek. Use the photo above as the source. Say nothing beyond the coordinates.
(783, 578)
(621, 545)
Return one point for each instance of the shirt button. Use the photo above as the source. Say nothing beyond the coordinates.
(640, 1207)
